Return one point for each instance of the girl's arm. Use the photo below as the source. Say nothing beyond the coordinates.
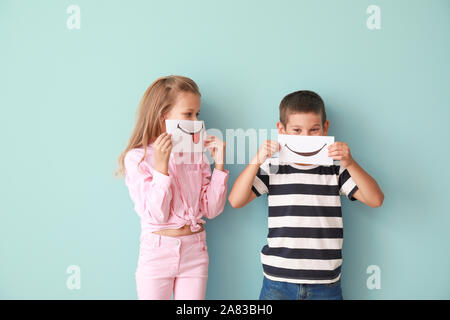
(150, 188)
(214, 191)
(214, 187)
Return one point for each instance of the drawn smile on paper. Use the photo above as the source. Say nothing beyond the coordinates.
(195, 135)
(305, 154)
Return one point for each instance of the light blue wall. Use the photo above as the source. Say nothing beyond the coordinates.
(68, 99)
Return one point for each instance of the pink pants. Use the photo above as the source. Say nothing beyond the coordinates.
(177, 265)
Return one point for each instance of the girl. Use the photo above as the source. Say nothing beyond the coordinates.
(171, 196)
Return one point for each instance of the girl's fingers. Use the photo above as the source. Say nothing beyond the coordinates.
(211, 138)
(208, 141)
(166, 144)
(158, 139)
(168, 148)
(163, 138)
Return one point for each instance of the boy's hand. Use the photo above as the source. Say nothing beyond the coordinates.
(341, 151)
(162, 148)
(267, 150)
(217, 149)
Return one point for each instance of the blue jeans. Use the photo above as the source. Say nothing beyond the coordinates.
(276, 290)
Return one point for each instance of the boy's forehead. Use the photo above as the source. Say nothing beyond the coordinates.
(303, 119)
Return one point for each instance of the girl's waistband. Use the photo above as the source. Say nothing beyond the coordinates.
(158, 239)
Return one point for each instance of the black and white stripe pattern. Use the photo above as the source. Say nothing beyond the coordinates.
(304, 241)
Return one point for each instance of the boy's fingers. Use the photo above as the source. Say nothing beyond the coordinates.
(334, 154)
(273, 146)
(334, 148)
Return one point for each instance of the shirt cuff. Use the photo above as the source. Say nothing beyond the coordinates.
(219, 176)
(255, 191)
(350, 195)
(161, 179)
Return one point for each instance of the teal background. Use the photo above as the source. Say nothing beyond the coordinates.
(68, 99)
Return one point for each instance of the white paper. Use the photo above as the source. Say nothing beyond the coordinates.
(305, 149)
(187, 135)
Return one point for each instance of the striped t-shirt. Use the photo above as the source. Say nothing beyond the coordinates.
(305, 236)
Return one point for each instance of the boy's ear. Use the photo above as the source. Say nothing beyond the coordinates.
(281, 129)
(326, 125)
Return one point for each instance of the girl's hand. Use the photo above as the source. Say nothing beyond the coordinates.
(217, 149)
(162, 148)
(267, 150)
(341, 151)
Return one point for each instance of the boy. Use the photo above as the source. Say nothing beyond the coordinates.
(303, 259)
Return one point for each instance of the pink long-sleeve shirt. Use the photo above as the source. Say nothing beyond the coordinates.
(157, 198)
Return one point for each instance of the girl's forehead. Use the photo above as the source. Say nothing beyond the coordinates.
(187, 107)
(187, 100)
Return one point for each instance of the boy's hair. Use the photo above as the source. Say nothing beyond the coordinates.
(302, 101)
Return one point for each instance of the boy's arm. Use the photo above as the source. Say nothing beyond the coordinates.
(368, 190)
(241, 193)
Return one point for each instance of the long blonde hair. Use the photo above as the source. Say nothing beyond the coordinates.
(155, 103)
